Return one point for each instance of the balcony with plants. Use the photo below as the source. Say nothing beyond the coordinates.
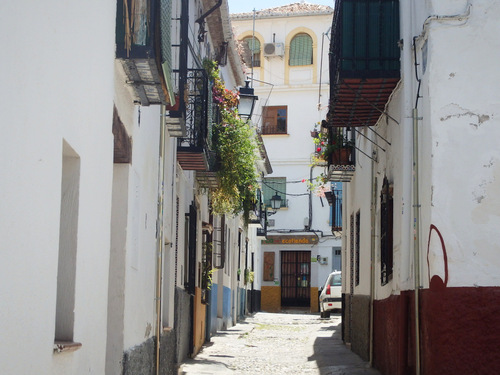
(233, 149)
(364, 61)
(335, 149)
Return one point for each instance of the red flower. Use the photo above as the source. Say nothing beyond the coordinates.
(318, 149)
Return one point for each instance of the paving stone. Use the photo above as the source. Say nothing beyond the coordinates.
(279, 343)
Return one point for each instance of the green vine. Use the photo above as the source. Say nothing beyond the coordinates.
(249, 276)
(236, 147)
(207, 270)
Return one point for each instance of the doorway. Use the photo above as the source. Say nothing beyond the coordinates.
(295, 278)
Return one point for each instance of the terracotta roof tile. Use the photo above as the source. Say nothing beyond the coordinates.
(294, 9)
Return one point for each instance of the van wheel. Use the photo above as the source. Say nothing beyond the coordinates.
(322, 314)
(326, 314)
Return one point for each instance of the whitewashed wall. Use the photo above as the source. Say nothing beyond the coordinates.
(458, 155)
(462, 114)
(57, 84)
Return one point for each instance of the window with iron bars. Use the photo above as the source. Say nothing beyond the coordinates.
(357, 245)
(386, 232)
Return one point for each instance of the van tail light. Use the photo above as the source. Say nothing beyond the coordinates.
(328, 289)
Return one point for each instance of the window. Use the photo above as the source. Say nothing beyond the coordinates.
(253, 46)
(386, 215)
(219, 246)
(301, 50)
(336, 209)
(274, 120)
(351, 253)
(272, 186)
(68, 236)
(357, 245)
(335, 280)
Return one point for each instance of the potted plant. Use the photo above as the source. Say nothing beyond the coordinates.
(315, 132)
(333, 147)
(341, 150)
(321, 144)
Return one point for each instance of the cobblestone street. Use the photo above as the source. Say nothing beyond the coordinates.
(285, 343)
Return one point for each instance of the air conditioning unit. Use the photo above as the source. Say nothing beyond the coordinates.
(274, 49)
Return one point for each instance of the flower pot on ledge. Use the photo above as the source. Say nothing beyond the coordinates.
(341, 156)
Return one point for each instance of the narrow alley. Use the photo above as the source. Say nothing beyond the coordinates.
(279, 343)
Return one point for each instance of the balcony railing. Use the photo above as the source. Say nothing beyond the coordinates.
(258, 216)
(144, 49)
(364, 60)
(194, 149)
(342, 160)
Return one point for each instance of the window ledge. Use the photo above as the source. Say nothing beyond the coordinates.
(66, 346)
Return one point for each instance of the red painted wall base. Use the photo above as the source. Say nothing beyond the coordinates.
(459, 329)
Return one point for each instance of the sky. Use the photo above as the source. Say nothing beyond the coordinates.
(242, 6)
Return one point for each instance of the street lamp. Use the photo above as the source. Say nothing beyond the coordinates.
(276, 202)
(247, 101)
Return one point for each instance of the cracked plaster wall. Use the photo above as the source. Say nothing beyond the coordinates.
(460, 132)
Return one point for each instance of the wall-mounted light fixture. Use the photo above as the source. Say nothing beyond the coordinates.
(247, 101)
(275, 204)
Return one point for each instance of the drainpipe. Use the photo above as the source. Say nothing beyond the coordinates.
(416, 239)
(159, 236)
(407, 269)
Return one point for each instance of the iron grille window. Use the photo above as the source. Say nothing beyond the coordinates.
(253, 45)
(301, 50)
(272, 186)
(386, 233)
(357, 245)
(219, 245)
(336, 210)
(274, 120)
(177, 218)
(351, 250)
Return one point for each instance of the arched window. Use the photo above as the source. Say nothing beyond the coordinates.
(254, 48)
(301, 50)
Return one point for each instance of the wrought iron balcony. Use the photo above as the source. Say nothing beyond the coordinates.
(194, 149)
(342, 159)
(258, 215)
(144, 49)
(364, 60)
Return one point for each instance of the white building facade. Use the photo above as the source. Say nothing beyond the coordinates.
(287, 64)
(419, 210)
(106, 212)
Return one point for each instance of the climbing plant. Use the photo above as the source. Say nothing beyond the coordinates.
(236, 148)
